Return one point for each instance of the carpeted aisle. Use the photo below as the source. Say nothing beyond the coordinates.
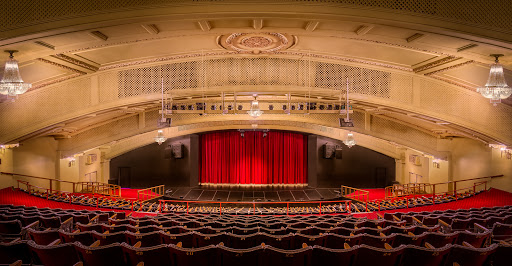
(16, 197)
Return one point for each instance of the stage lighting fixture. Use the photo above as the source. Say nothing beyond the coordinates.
(284, 107)
(301, 107)
(240, 107)
(183, 107)
(337, 107)
(213, 107)
(174, 107)
(190, 107)
(322, 107)
(230, 107)
(293, 107)
(329, 107)
(271, 107)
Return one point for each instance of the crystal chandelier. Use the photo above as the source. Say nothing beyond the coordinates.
(11, 84)
(350, 141)
(496, 87)
(255, 108)
(160, 138)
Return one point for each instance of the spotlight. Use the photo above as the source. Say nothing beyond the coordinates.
(230, 107)
(337, 107)
(190, 107)
(174, 107)
(293, 107)
(284, 107)
(183, 107)
(329, 107)
(322, 107)
(240, 107)
(271, 107)
(213, 107)
(301, 106)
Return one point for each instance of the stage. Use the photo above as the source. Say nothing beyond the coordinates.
(251, 194)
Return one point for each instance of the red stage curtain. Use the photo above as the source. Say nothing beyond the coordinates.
(228, 158)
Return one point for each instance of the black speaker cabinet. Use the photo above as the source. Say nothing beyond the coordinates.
(177, 150)
(329, 150)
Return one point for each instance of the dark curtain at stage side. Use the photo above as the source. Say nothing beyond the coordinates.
(278, 158)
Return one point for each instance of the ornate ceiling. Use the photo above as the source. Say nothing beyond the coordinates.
(413, 67)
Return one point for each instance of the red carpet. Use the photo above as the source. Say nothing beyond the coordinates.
(130, 193)
(15, 197)
(374, 193)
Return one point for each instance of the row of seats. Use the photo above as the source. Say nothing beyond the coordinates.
(263, 254)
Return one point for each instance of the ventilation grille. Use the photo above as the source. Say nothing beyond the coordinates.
(253, 71)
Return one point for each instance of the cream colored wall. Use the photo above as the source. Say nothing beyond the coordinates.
(68, 172)
(421, 170)
(6, 165)
(439, 175)
(501, 165)
(36, 157)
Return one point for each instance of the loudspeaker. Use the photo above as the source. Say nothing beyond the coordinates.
(338, 154)
(329, 150)
(177, 150)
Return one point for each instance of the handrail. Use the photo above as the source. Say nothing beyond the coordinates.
(150, 193)
(391, 193)
(253, 203)
(97, 187)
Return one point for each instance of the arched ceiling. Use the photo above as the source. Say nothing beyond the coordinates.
(413, 67)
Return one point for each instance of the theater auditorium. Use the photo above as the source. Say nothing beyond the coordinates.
(255, 132)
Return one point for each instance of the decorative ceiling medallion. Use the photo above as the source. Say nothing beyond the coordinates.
(255, 43)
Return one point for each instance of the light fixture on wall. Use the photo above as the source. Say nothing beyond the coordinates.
(350, 141)
(496, 88)
(160, 138)
(255, 111)
(11, 84)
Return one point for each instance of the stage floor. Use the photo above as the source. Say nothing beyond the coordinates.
(247, 195)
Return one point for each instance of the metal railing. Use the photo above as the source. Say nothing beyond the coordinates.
(344, 204)
(150, 193)
(433, 189)
(75, 187)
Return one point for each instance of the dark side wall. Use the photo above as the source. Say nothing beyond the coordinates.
(359, 167)
(147, 166)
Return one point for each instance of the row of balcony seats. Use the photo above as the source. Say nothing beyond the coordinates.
(151, 232)
(123, 204)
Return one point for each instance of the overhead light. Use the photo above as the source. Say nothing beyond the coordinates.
(496, 88)
(11, 84)
(350, 141)
(255, 108)
(346, 122)
(160, 138)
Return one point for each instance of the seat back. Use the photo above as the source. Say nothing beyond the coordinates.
(235, 257)
(110, 238)
(55, 255)
(43, 237)
(421, 256)
(296, 257)
(10, 227)
(368, 255)
(146, 239)
(440, 239)
(82, 237)
(154, 255)
(109, 255)
(328, 256)
(11, 252)
(469, 256)
(192, 256)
